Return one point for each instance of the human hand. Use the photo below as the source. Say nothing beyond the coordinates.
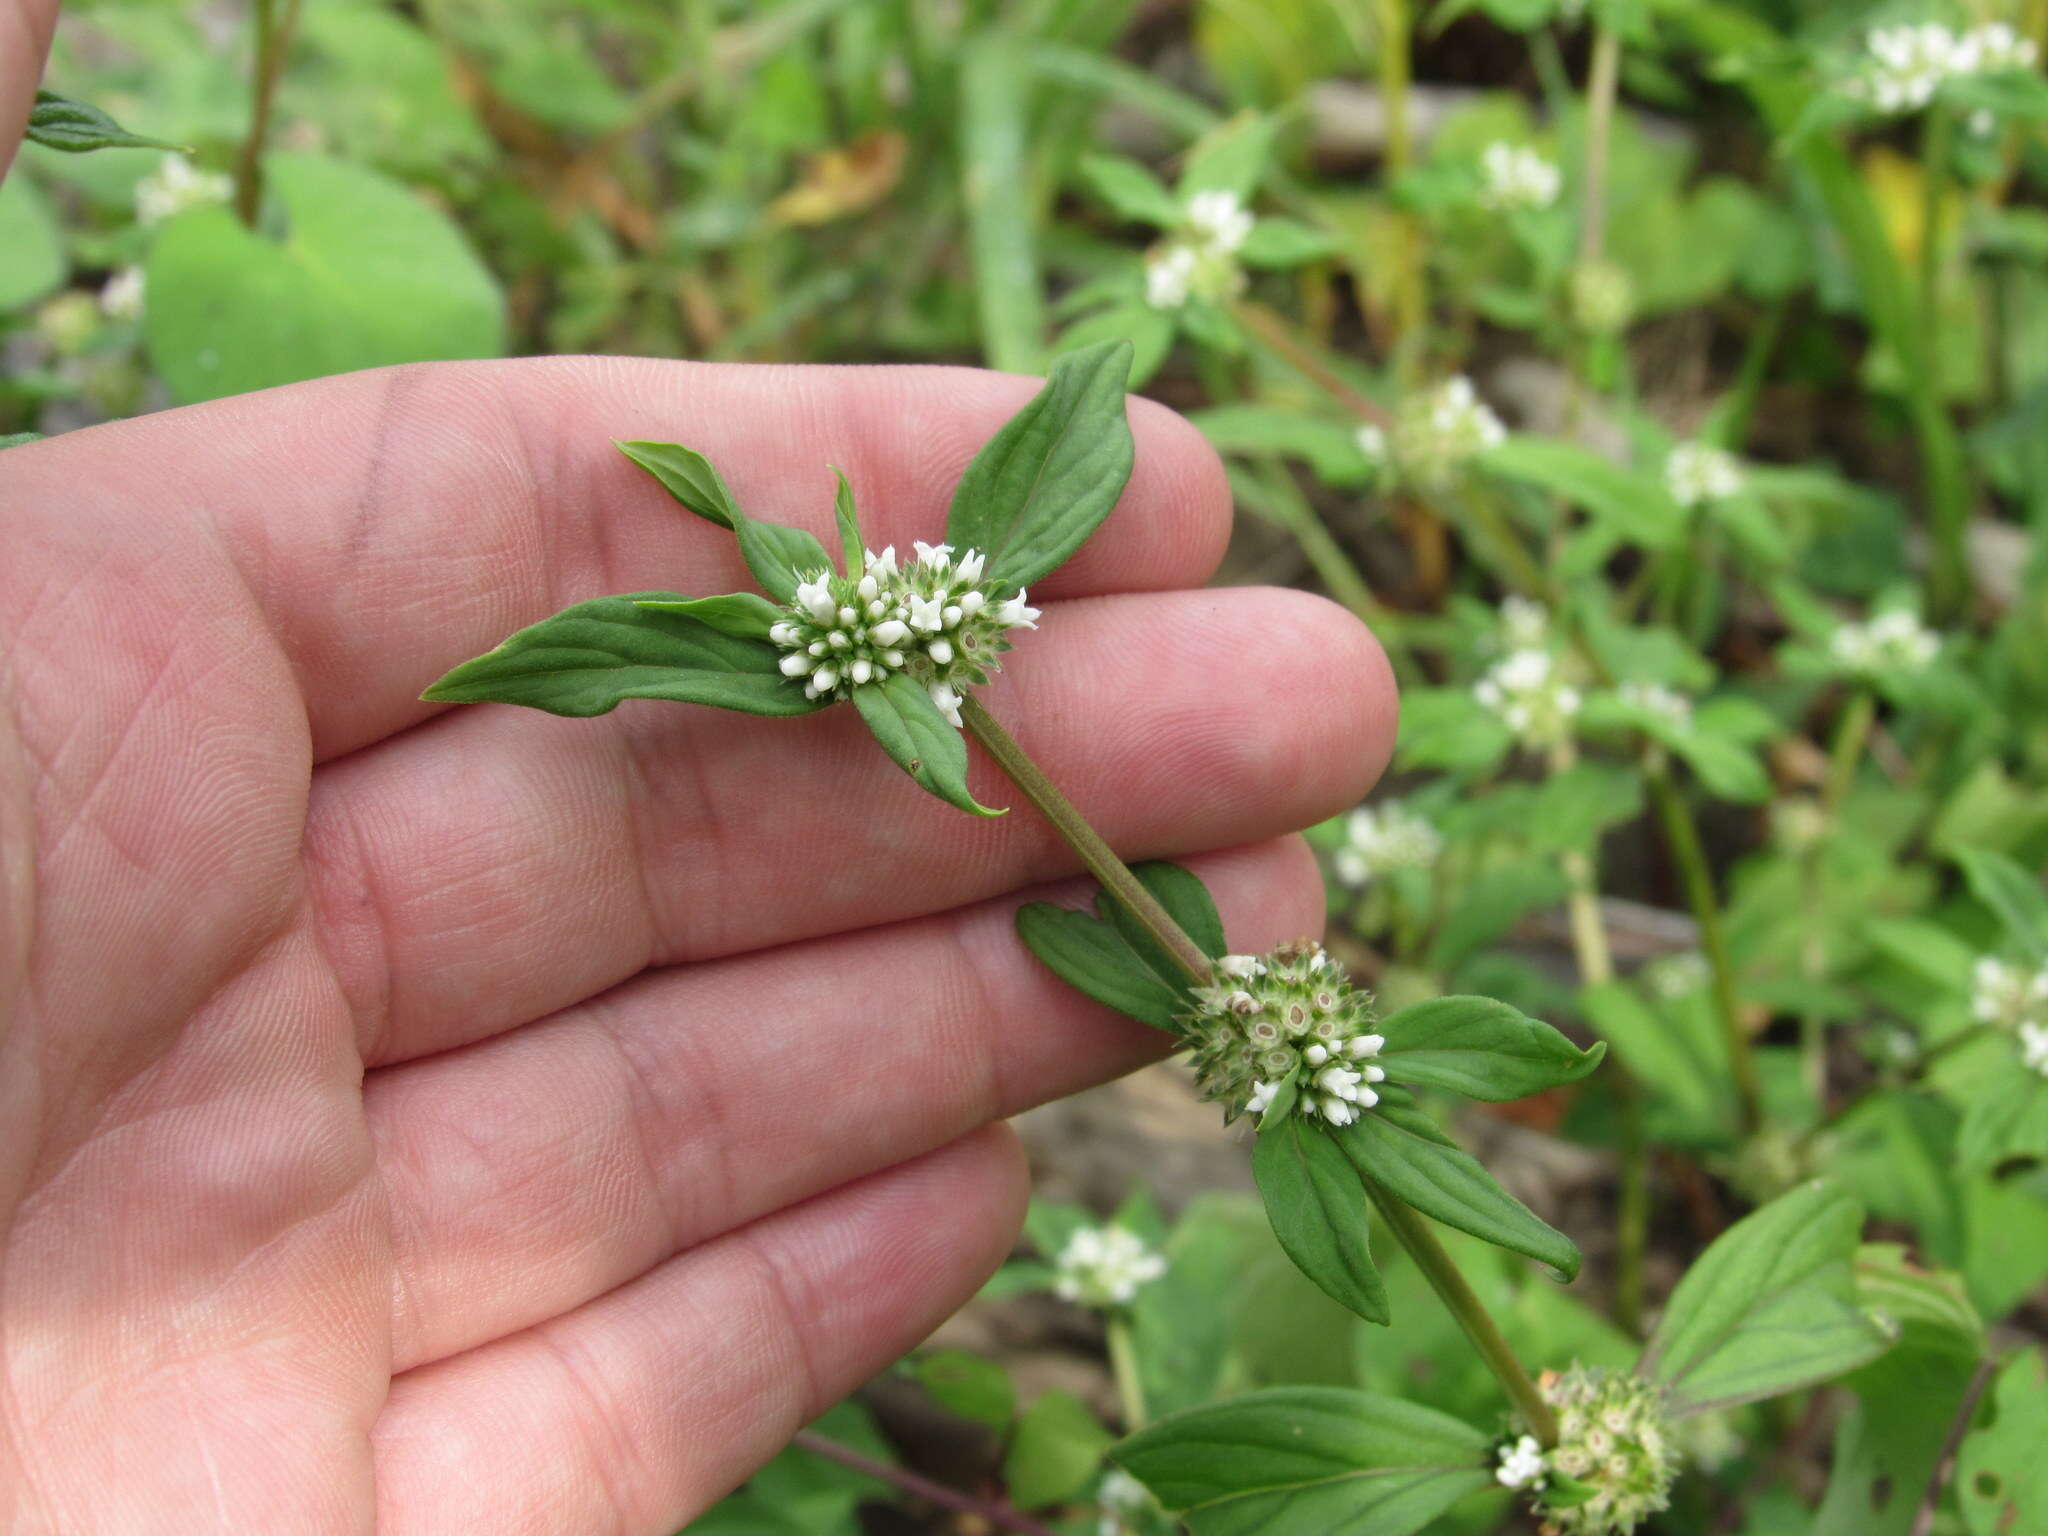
(479, 1120)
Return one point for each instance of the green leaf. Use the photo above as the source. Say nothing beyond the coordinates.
(588, 657)
(851, 546)
(1052, 472)
(57, 122)
(34, 244)
(2005, 1119)
(2001, 1476)
(1056, 1451)
(1480, 1048)
(967, 1385)
(1327, 1460)
(2019, 95)
(16, 439)
(1769, 1308)
(745, 614)
(361, 273)
(1635, 504)
(1284, 243)
(1132, 191)
(2011, 893)
(1687, 1070)
(1187, 902)
(1728, 771)
(1149, 331)
(921, 740)
(1229, 158)
(1092, 957)
(778, 555)
(1330, 448)
(1404, 1152)
(1318, 1211)
(995, 168)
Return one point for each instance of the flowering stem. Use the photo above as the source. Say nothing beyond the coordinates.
(1000, 1516)
(1682, 837)
(1123, 1363)
(1450, 1284)
(1097, 857)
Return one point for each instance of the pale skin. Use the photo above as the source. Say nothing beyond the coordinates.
(431, 1119)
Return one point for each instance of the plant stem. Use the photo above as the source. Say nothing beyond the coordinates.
(1450, 1284)
(1682, 837)
(1603, 80)
(1937, 128)
(1001, 1516)
(1097, 856)
(1123, 1363)
(1852, 734)
(273, 38)
(1411, 298)
(1274, 331)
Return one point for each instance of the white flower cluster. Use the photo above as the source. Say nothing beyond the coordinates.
(1293, 1014)
(1525, 690)
(1892, 642)
(121, 298)
(1697, 473)
(1105, 1266)
(1674, 706)
(1437, 431)
(1613, 1436)
(1907, 64)
(1201, 260)
(176, 185)
(2005, 994)
(1524, 624)
(1122, 1499)
(2034, 1047)
(1380, 841)
(931, 618)
(1517, 177)
(1675, 977)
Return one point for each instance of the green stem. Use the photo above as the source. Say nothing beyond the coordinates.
(1682, 837)
(997, 1516)
(1445, 1278)
(1603, 80)
(1411, 296)
(1937, 128)
(1097, 856)
(1852, 735)
(1123, 1363)
(273, 38)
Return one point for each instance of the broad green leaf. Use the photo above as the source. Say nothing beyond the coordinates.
(1634, 503)
(746, 614)
(1406, 1155)
(1094, 958)
(1284, 243)
(2012, 894)
(1149, 331)
(1229, 158)
(848, 518)
(588, 657)
(2001, 1476)
(1186, 901)
(922, 741)
(969, 1386)
(57, 122)
(1673, 1063)
(1051, 474)
(364, 273)
(1480, 1048)
(1326, 1460)
(2008, 1118)
(32, 241)
(1769, 1308)
(1318, 1211)
(1728, 771)
(1055, 1452)
(1132, 191)
(778, 555)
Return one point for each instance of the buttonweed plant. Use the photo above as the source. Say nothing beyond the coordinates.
(1678, 418)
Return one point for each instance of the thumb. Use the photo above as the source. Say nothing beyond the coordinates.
(25, 27)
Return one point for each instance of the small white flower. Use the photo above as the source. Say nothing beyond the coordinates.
(1437, 431)
(1517, 177)
(882, 566)
(1893, 642)
(1372, 443)
(932, 554)
(2005, 994)
(1337, 1112)
(1220, 222)
(121, 299)
(1676, 977)
(1995, 48)
(1243, 967)
(1525, 690)
(175, 186)
(968, 566)
(1378, 841)
(1907, 65)
(1674, 706)
(1521, 1464)
(795, 665)
(1261, 1098)
(1339, 1083)
(948, 702)
(1697, 473)
(1170, 276)
(1359, 1046)
(1015, 613)
(926, 614)
(1524, 624)
(1105, 1266)
(816, 597)
(2034, 1047)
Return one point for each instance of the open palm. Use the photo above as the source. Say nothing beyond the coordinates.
(475, 1120)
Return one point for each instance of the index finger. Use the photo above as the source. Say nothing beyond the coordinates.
(393, 523)
(25, 27)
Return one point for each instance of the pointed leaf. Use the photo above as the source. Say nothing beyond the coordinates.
(57, 122)
(1186, 901)
(587, 658)
(746, 614)
(921, 740)
(2010, 892)
(1326, 1460)
(687, 476)
(1284, 243)
(2005, 1119)
(1132, 191)
(1092, 957)
(1051, 474)
(778, 555)
(1056, 1451)
(1769, 1308)
(843, 513)
(1448, 1183)
(1633, 503)
(1480, 1048)
(2001, 1476)
(1318, 1211)
(1230, 157)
